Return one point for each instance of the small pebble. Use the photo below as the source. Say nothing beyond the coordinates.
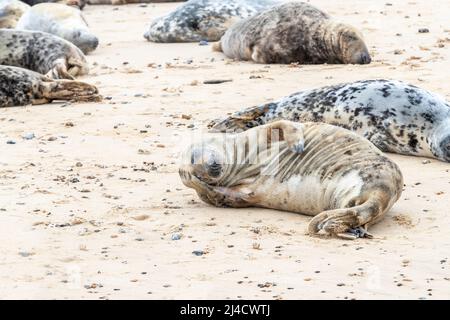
(203, 43)
(424, 30)
(176, 236)
(10, 142)
(29, 136)
(198, 253)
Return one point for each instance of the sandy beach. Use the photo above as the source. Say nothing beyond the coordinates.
(90, 206)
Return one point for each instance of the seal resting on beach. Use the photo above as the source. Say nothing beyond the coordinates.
(10, 12)
(295, 32)
(198, 20)
(20, 87)
(43, 53)
(315, 169)
(395, 116)
(61, 20)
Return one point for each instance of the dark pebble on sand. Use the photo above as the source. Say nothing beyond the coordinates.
(198, 253)
(10, 142)
(424, 30)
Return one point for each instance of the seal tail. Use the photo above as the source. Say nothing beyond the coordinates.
(242, 120)
(217, 46)
(70, 90)
(352, 222)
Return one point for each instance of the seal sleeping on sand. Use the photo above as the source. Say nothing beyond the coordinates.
(43, 53)
(395, 116)
(203, 19)
(294, 32)
(315, 169)
(10, 12)
(61, 20)
(20, 87)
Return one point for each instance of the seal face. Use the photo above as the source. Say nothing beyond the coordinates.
(43, 53)
(316, 169)
(10, 12)
(395, 116)
(294, 32)
(203, 19)
(19, 87)
(60, 20)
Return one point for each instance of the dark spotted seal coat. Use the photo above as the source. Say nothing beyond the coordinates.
(10, 12)
(43, 53)
(316, 169)
(395, 116)
(20, 87)
(61, 20)
(117, 2)
(203, 19)
(294, 32)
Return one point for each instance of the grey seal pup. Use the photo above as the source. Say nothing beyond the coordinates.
(316, 169)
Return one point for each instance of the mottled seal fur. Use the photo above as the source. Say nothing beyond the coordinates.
(61, 20)
(43, 53)
(316, 169)
(395, 116)
(203, 19)
(10, 12)
(76, 3)
(19, 87)
(294, 32)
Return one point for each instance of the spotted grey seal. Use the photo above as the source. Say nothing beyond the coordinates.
(203, 19)
(316, 169)
(395, 116)
(61, 20)
(19, 87)
(43, 53)
(10, 12)
(294, 32)
(117, 2)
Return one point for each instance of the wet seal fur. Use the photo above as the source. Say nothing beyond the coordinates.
(198, 20)
(20, 87)
(43, 53)
(395, 116)
(10, 12)
(315, 169)
(61, 20)
(294, 32)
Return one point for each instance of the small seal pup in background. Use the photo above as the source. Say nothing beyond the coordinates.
(10, 12)
(61, 20)
(294, 32)
(20, 87)
(395, 116)
(198, 20)
(43, 53)
(315, 169)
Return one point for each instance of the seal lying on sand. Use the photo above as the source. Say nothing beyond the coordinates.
(61, 20)
(294, 32)
(395, 116)
(315, 169)
(76, 3)
(203, 19)
(43, 53)
(19, 87)
(10, 12)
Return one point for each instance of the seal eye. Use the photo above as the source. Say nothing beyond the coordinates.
(214, 169)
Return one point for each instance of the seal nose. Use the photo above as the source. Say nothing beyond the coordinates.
(364, 58)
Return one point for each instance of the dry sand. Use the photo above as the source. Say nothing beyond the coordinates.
(89, 206)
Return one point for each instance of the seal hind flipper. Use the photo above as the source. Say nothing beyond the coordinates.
(241, 120)
(340, 222)
(70, 90)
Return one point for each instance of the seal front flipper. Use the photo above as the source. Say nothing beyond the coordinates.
(291, 132)
(235, 197)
